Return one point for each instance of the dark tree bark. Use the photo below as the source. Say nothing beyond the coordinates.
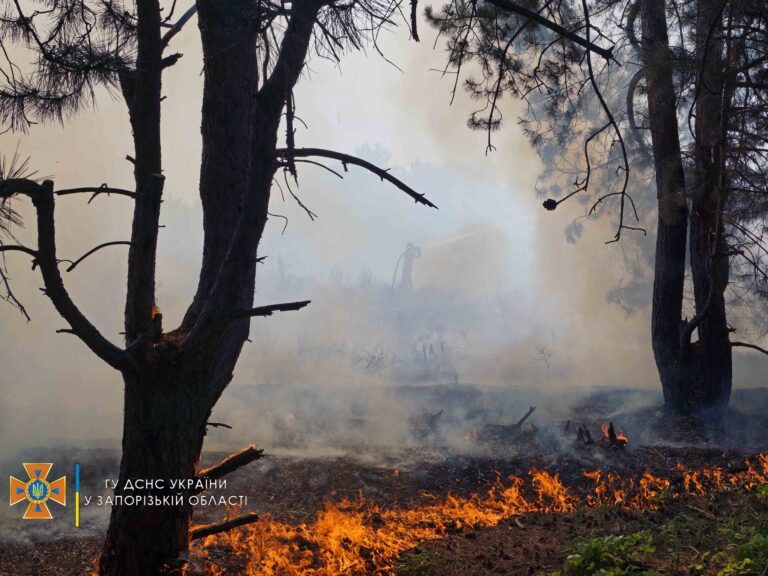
(709, 168)
(672, 227)
(170, 395)
(711, 355)
(164, 426)
(695, 376)
(141, 90)
(173, 379)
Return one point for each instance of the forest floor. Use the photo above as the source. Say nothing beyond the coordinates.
(718, 534)
(721, 532)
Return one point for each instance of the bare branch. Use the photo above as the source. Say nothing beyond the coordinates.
(525, 417)
(14, 248)
(347, 159)
(96, 249)
(623, 193)
(303, 206)
(10, 297)
(321, 165)
(169, 61)
(13, 186)
(43, 200)
(96, 190)
(219, 425)
(750, 346)
(508, 5)
(217, 527)
(414, 20)
(176, 28)
(268, 310)
(231, 462)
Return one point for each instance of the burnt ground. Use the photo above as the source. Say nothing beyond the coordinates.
(293, 488)
(687, 536)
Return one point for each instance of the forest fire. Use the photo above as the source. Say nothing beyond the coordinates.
(357, 536)
(618, 440)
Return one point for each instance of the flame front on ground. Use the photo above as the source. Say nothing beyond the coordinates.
(357, 537)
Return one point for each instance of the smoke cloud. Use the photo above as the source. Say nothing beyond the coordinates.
(503, 311)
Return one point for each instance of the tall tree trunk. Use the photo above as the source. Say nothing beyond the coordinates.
(179, 377)
(672, 227)
(228, 31)
(695, 377)
(162, 438)
(711, 354)
(169, 398)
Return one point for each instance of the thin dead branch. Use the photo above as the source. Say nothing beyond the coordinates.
(223, 526)
(269, 310)
(346, 159)
(750, 346)
(96, 249)
(231, 463)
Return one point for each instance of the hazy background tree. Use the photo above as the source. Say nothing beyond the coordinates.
(615, 88)
(254, 54)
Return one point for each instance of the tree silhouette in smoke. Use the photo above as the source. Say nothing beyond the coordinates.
(254, 54)
(617, 89)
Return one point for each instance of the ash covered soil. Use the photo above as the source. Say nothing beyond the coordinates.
(293, 485)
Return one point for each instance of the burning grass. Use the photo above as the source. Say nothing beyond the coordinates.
(448, 515)
(723, 533)
(357, 536)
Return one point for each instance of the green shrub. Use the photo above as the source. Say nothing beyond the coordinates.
(752, 556)
(609, 556)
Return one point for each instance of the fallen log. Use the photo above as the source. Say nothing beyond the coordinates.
(503, 432)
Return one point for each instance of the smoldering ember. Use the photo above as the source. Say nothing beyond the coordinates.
(376, 287)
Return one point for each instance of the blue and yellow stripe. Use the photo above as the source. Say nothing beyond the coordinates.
(77, 495)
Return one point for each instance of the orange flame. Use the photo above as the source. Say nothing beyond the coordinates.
(359, 537)
(616, 437)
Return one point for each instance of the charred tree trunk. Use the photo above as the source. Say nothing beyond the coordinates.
(253, 56)
(179, 377)
(695, 377)
(162, 438)
(672, 227)
(711, 354)
(228, 32)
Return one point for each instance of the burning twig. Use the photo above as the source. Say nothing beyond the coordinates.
(231, 463)
(217, 527)
(614, 440)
